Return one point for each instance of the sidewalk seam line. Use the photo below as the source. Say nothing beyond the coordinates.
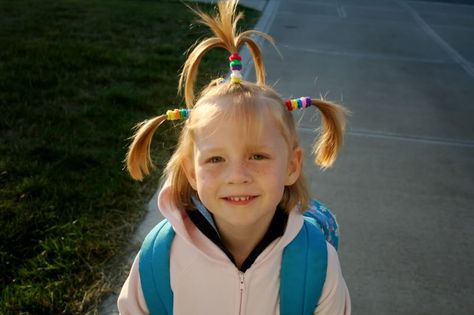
(369, 55)
(438, 39)
(408, 138)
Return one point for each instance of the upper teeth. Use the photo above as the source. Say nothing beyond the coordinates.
(239, 198)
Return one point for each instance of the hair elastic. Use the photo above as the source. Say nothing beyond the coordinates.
(235, 67)
(177, 114)
(298, 103)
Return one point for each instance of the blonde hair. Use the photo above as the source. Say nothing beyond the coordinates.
(246, 100)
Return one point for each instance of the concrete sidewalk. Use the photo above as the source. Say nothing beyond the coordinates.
(403, 187)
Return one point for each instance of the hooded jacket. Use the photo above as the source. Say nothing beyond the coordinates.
(205, 281)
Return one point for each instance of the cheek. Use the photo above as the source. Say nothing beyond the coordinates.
(263, 170)
(207, 177)
(272, 171)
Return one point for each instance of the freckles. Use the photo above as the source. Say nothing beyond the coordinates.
(266, 173)
(261, 171)
(208, 175)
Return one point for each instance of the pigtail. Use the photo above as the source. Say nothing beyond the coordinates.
(188, 75)
(224, 28)
(333, 120)
(244, 38)
(139, 163)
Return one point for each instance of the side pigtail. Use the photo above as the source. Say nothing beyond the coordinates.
(333, 120)
(224, 28)
(138, 158)
(331, 133)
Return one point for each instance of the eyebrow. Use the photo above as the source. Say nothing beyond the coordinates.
(259, 147)
(250, 148)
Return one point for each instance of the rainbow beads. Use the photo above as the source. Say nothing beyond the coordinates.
(177, 114)
(235, 67)
(298, 103)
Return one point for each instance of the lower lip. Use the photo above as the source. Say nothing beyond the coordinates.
(240, 202)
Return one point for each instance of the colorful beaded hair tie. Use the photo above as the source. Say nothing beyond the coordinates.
(298, 103)
(177, 114)
(235, 67)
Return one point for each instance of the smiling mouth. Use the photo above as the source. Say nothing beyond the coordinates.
(240, 199)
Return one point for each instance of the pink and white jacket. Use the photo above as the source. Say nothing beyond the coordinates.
(205, 281)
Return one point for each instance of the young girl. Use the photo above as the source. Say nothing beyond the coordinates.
(233, 190)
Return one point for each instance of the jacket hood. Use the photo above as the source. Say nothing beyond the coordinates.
(186, 229)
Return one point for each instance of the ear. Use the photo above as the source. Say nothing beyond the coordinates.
(190, 171)
(294, 166)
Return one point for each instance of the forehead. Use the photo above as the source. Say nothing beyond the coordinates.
(238, 132)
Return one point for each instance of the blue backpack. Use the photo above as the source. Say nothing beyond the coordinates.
(302, 274)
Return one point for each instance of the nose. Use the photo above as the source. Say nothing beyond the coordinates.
(238, 173)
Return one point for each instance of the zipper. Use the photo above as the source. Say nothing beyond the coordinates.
(242, 286)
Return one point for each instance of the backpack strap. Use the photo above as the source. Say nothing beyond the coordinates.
(303, 271)
(154, 266)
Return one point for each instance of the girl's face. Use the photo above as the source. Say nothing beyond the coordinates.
(240, 177)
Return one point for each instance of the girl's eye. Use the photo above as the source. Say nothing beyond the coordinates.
(215, 159)
(258, 157)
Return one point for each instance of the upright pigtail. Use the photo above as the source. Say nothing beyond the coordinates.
(244, 38)
(224, 28)
(331, 135)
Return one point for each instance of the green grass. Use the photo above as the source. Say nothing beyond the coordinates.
(75, 77)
